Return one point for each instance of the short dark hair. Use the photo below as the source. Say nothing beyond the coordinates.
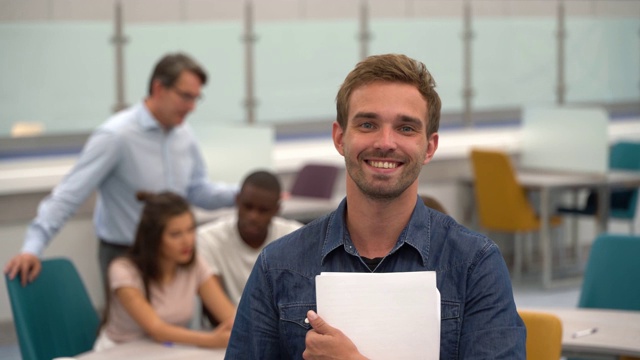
(391, 68)
(264, 180)
(169, 68)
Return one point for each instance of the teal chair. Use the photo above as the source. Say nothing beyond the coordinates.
(612, 276)
(53, 315)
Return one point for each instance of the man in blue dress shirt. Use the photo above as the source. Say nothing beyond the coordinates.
(386, 129)
(147, 147)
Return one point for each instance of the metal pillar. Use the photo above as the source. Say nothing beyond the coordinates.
(561, 35)
(119, 40)
(249, 39)
(365, 35)
(467, 86)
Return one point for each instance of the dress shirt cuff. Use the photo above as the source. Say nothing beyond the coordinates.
(33, 247)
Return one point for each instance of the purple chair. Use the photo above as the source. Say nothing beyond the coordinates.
(315, 180)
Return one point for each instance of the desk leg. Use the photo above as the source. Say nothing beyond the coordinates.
(545, 236)
(604, 202)
(467, 204)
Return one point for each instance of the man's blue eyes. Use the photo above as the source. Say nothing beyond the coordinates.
(402, 129)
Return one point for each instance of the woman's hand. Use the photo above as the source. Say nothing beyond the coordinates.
(220, 335)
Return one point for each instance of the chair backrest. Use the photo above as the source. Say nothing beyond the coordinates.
(53, 315)
(544, 335)
(612, 275)
(625, 155)
(500, 200)
(315, 180)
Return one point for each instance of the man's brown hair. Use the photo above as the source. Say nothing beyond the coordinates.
(391, 68)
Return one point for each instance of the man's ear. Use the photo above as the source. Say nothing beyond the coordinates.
(338, 135)
(156, 87)
(432, 146)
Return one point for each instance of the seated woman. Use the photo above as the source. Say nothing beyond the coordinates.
(152, 288)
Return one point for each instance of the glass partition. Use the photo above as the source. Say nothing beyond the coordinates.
(60, 72)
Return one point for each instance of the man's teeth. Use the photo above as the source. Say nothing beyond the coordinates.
(383, 164)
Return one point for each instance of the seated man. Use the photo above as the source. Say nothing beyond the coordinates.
(231, 245)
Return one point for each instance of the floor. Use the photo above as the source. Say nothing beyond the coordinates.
(527, 293)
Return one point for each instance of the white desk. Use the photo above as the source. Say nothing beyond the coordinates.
(618, 332)
(550, 183)
(148, 350)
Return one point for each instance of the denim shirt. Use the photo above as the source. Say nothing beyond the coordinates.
(479, 319)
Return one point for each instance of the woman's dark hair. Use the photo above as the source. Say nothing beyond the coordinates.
(145, 252)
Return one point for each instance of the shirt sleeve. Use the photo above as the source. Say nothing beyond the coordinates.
(123, 273)
(206, 240)
(255, 333)
(97, 159)
(204, 193)
(203, 272)
(491, 328)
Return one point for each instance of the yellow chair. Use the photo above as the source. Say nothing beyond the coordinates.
(501, 201)
(544, 335)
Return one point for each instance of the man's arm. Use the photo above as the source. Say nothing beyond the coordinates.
(491, 327)
(255, 333)
(204, 193)
(96, 160)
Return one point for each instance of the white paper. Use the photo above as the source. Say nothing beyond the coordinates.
(386, 315)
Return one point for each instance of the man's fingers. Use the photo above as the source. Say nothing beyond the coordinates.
(318, 324)
(35, 270)
(11, 269)
(27, 265)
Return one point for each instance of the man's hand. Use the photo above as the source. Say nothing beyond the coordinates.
(326, 342)
(28, 265)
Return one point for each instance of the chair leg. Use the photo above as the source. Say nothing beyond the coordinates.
(517, 256)
(574, 238)
(528, 251)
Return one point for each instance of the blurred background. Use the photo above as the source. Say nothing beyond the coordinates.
(275, 67)
(67, 64)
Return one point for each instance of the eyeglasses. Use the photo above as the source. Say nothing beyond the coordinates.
(185, 96)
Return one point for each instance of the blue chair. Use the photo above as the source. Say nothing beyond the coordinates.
(53, 315)
(612, 276)
(623, 156)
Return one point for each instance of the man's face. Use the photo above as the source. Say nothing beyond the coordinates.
(177, 101)
(256, 208)
(384, 142)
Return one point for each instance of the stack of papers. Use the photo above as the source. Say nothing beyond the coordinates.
(386, 315)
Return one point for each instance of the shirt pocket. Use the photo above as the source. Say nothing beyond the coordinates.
(292, 318)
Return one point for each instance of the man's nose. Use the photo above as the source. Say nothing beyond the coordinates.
(386, 139)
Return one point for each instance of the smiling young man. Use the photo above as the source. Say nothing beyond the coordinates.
(386, 129)
(147, 147)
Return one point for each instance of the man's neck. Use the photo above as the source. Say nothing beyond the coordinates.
(375, 225)
(150, 104)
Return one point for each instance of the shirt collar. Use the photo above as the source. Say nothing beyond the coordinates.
(146, 119)
(417, 233)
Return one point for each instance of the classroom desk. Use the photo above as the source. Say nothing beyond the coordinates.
(148, 350)
(551, 183)
(617, 334)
